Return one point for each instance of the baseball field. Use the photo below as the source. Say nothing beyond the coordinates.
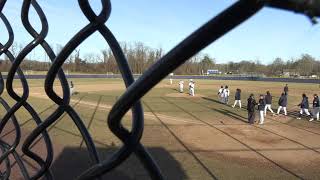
(190, 137)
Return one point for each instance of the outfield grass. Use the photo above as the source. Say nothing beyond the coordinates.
(190, 137)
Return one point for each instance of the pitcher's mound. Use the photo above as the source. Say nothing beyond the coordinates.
(184, 95)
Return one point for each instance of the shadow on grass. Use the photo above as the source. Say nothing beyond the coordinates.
(176, 90)
(73, 161)
(232, 115)
(226, 112)
(212, 100)
(292, 114)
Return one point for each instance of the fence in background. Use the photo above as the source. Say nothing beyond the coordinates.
(206, 34)
(236, 78)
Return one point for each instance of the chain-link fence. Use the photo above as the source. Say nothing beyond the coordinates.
(206, 34)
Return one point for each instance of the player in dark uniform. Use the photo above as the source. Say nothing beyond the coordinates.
(251, 109)
(316, 108)
(283, 102)
(304, 106)
(286, 89)
(237, 98)
(261, 106)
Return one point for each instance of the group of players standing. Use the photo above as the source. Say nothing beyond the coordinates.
(265, 102)
(191, 87)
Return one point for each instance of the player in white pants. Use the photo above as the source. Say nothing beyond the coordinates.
(316, 108)
(191, 87)
(71, 88)
(261, 106)
(284, 110)
(304, 106)
(283, 101)
(268, 100)
(226, 94)
(220, 93)
(181, 86)
(237, 98)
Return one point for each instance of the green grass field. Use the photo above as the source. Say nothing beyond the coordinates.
(190, 137)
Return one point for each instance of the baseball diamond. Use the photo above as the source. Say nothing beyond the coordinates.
(142, 113)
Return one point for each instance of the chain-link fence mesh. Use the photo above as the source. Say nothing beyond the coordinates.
(208, 33)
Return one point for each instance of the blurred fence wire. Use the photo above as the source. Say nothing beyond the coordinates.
(202, 37)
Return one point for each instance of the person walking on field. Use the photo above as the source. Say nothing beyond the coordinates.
(261, 107)
(226, 94)
(283, 102)
(191, 87)
(268, 100)
(220, 93)
(304, 106)
(237, 98)
(286, 89)
(251, 109)
(71, 88)
(181, 86)
(316, 108)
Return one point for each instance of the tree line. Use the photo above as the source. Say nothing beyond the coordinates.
(140, 57)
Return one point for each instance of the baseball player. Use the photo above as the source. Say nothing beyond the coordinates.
(268, 100)
(220, 93)
(170, 78)
(226, 94)
(237, 98)
(261, 107)
(251, 109)
(316, 108)
(283, 102)
(181, 86)
(286, 89)
(191, 87)
(71, 88)
(304, 106)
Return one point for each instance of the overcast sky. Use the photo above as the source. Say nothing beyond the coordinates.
(164, 23)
